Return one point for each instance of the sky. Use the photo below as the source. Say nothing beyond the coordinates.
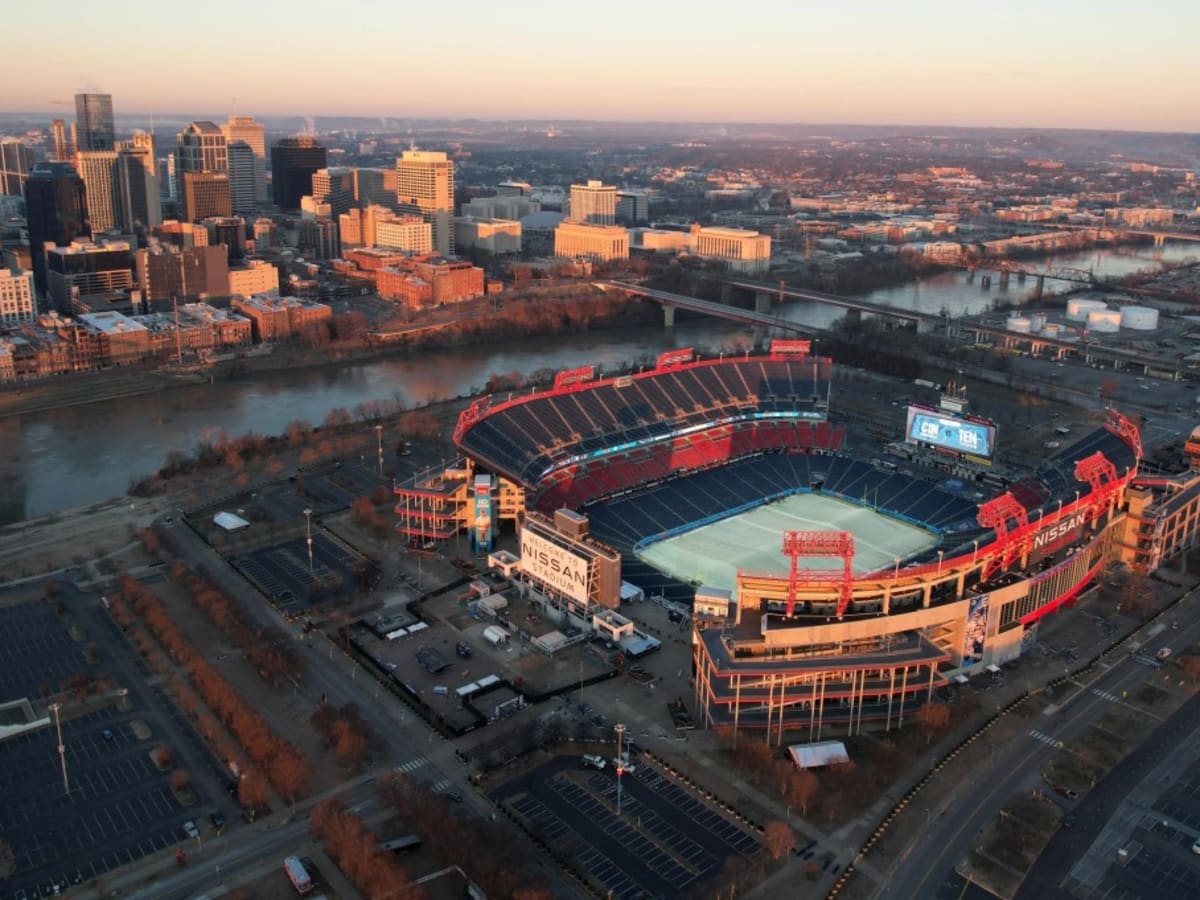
(1026, 63)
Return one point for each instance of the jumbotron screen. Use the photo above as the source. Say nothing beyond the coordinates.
(929, 426)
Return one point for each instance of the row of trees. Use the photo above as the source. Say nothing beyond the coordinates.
(344, 731)
(266, 648)
(352, 847)
(500, 859)
(287, 768)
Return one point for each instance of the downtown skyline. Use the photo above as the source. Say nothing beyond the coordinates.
(918, 65)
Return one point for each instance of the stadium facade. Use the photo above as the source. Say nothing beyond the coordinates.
(816, 645)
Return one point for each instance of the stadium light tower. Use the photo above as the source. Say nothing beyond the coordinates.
(620, 761)
(308, 536)
(62, 750)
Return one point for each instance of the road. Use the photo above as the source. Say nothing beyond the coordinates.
(963, 816)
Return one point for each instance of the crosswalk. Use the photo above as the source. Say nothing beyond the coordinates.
(1105, 695)
(1045, 739)
(442, 786)
(412, 765)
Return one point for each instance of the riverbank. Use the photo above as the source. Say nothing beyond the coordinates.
(539, 317)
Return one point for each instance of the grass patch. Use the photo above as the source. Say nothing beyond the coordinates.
(1012, 843)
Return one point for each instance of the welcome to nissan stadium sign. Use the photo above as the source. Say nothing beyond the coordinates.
(557, 568)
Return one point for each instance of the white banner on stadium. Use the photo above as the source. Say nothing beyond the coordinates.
(558, 569)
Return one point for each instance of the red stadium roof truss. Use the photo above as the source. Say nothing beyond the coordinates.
(799, 545)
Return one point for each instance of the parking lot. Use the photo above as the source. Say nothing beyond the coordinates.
(120, 806)
(119, 809)
(282, 571)
(36, 653)
(664, 844)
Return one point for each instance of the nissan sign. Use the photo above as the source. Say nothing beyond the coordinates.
(557, 568)
(1055, 532)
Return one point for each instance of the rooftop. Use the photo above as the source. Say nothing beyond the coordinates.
(110, 323)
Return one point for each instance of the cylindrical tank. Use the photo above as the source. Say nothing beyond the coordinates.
(1078, 309)
(1019, 324)
(1037, 321)
(1139, 318)
(1052, 330)
(1104, 320)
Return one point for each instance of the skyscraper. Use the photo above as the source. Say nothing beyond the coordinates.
(335, 186)
(202, 148)
(15, 162)
(251, 133)
(243, 170)
(98, 169)
(94, 122)
(137, 184)
(293, 162)
(594, 203)
(60, 141)
(425, 187)
(205, 194)
(56, 210)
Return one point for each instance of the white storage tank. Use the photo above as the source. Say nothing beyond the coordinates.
(1078, 309)
(1051, 330)
(1107, 321)
(1037, 321)
(1139, 318)
(1019, 324)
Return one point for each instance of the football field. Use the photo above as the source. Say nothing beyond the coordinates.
(753, 541)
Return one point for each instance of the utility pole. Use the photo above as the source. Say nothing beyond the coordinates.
(379, 443)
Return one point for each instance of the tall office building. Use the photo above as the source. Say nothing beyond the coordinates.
(60, 141)
(335, 186)
(253, 135)
(243, 173)
(594, 203)
(56, 210)
(98, 169)
(138, 189)
(202, 148)
(293, 162)
(165, 271)
(94, 122)
(425, 187)
(205, 194)
(369, 188)
(84, 269)
(15, 162)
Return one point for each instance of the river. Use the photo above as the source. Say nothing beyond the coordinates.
(71, 457)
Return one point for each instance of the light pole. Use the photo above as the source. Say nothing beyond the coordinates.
(975, 550)
(379, 445)
(941, 553)
(308, 536)
(620, 730)
(62, 750)
(896, 571)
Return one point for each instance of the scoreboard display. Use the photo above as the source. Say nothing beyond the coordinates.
(958, 435)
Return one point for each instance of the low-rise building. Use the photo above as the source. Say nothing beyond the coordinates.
(274, 318)
(411, 234)
(228, 328)
(17, 306)
(121, 339)
(256, 277)
(741, 250)
(596, 242)
(83, 268)
(496, 236)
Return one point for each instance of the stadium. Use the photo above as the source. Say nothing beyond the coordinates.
(830, 591)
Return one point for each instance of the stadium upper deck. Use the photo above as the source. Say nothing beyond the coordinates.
(526, 438)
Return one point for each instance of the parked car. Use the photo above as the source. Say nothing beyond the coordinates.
(217, 818)
(1164, 653)
(463, 649)
(1063, 791)
(593, 761)
(190, 829)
